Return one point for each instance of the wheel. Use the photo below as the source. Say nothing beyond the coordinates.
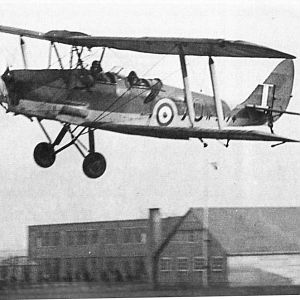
(44, 155)
(94, 165)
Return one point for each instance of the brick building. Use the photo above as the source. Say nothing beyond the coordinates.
(217, 246)
(121, 251)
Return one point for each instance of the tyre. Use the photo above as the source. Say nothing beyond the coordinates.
(94, 165)
(44, 155)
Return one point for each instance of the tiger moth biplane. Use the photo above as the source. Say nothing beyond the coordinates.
(90, 99)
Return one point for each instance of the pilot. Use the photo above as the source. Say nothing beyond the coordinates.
(132, 78)
(96, 69)
(97, 72)
(86, 79)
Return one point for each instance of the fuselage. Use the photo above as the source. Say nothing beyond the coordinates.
(76, 97)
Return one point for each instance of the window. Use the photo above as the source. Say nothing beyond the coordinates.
(70, 238)
(139, 268)
(93, 236)
(126, 235)
(217, 263)
(39, 240)
(187, 236)
(55, 238)
(46, 239)
(68, 265)
(81, 238)
(191, 236)
(126, 268)
(133, 235)
(110, 263)
(182, 264)
(93, 264)
(137, 235)
(178, 237)
(82, 265)
(111, 236)
(47, 266)
(3, 272)
(165, 264)
(199, 263)
(143, 238)
(56, 262)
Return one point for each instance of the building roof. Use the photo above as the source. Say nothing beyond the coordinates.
(87, 223)
(254, 230)
(167, 223)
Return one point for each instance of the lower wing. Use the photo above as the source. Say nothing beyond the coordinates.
(186, 133)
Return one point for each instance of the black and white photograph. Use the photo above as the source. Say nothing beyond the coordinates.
(149, 148)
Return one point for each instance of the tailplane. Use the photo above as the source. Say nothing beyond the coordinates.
(269, 100)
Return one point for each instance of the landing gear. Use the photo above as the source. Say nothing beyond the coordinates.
(94, 163)
(44, 155)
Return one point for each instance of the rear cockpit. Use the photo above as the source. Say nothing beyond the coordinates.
(132, 81)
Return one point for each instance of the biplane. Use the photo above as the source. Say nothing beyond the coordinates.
(85, 98)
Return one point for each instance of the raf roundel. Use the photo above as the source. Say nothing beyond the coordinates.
(165, 114)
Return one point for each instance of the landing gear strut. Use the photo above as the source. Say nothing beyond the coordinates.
(94, 163)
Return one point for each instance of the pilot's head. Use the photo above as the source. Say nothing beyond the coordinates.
(96, 66)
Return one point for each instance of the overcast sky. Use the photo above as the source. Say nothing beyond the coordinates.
(147, 172)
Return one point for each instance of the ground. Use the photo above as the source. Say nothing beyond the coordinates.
(96, 290)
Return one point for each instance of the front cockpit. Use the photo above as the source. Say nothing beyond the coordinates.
(99, 75)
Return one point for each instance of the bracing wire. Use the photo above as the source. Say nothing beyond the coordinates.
(154, 65)
(159, 61)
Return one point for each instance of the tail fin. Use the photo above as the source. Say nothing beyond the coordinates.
(273, 94)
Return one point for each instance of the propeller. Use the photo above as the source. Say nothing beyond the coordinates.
(4, 70)
(3, 93)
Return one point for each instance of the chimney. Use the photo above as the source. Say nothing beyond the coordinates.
(153, 242)
(154, 229)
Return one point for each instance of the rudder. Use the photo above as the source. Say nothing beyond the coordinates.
(274, 93)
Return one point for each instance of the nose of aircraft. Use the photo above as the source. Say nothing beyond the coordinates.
(3, 91)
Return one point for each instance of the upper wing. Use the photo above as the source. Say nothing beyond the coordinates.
(198, 47)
